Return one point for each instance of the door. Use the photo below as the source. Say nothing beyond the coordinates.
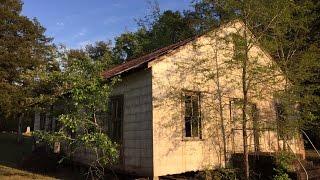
(115, 123)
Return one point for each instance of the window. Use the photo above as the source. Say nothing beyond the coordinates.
(42, 121)
(256, 128)
(235, 105)
(253, 123)
(192, 114)
(281, 119)
(114, 124)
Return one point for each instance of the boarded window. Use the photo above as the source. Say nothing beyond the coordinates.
(192, 114)
(114, 124)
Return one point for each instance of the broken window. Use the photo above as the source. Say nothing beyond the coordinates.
(192, 114)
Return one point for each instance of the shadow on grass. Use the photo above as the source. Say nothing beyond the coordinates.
(18, 160)
(11, 153)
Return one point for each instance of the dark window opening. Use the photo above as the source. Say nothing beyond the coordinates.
(281, 119)
(192, 114)
(42, 121)
(114, 124)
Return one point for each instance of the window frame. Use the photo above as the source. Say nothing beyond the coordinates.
(43, 119)
(235, 104)
(199, 136)
(110, 121)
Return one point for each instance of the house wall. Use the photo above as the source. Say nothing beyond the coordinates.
(137, 128)
(194, 67)
(49, 123)
(137, 120)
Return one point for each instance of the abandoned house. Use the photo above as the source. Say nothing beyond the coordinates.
(165, 111)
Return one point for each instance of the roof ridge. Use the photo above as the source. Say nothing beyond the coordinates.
(133, 63)
(136, 62)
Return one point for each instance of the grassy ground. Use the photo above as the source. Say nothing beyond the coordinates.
(10, 173)
(11, 154)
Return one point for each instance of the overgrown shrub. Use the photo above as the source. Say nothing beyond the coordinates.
(283, 162)
(218, 174)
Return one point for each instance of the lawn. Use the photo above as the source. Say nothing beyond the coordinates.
(11, 154)
(11, 173)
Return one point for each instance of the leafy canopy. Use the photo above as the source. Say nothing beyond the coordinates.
(23, 48)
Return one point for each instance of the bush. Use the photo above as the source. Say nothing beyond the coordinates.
(283, 161)
(218, 174)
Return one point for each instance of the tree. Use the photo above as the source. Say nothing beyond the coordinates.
(260, 17)
(24, 48)
(292, 41)
(203, 17)
(155, 31)
(100, 51)
(297, 52)
(170, 27)
(131, 45)
(86, 96)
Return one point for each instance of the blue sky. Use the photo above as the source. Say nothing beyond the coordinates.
(75, 23)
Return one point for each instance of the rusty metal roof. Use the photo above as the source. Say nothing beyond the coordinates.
(139, 62)
(143, 60)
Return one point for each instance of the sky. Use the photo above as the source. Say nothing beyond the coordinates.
(76, 23)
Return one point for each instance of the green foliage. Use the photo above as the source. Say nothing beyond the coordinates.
(283, 162)
(24, 48)
(80, 88)
(203, 17)
(83, 80)
(219, 174)
(294, 44)
(254, 73)
(170, 27)
(131, 45)
(100, 51)
(107, 150)
(29, 76)
(307, 87)
(159, 31)
(282, 176)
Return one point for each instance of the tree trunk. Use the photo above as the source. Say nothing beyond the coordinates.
(245, 141)
(223, 132)
(256, 130)
(20, 138)
(244, 109)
